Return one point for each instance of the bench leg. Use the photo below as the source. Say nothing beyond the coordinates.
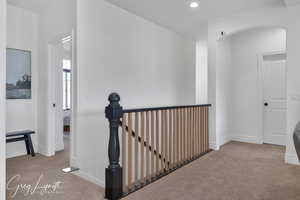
(30, 146)
(27, 144)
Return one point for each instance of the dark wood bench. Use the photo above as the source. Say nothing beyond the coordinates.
(20, 136)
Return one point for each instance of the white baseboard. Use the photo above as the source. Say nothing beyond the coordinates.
(73, 161)
(16, 154)
(225, 140)
(247, 139)
(291, 158)
(89, 178)
(18, 149)
(44, 151)
(214, 146)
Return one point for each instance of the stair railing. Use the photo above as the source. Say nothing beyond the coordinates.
(155, 142)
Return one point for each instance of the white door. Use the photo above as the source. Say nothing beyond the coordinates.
(274, 90)
(55, 83)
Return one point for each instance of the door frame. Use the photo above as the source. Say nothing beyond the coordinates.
(51, 71)
(2, 98)
(260, 89)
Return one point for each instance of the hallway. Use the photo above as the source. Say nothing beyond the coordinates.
(48, 170)
(239, 171)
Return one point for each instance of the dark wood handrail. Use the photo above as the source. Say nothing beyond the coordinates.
(145, 144)
(164, 108)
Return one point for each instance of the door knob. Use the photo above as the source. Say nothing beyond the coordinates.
(266, 104)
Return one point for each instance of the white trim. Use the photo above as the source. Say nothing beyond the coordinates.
(51, 137)
(73, 135)
(214, 146)
(89, 178)
(260, 107)
(291, 158)
(50, 110)
(2, 98)
(44, 151)
(16, 154)
(225, 139)
(247, 139)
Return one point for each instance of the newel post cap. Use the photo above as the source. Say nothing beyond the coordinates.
(114, 110)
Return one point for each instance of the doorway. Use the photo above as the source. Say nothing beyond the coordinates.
(61, 58)
(273, 68)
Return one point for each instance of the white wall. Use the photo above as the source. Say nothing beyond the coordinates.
(201, 72)
(245, 48)
(22, 33)
(293, 82)
(224, 85)
(120, 52)
(2, 97)
(275, 17)
(229, 25)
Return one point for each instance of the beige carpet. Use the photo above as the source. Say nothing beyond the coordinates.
(238, 171)
(31, 169)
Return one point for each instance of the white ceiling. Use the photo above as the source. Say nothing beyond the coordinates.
(173, 14)
(37, 6)
(178, 16)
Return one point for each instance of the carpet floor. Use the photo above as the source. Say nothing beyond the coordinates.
(239, 171)
(24, 173)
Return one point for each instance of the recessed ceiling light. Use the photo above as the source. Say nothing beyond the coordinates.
(194, 4)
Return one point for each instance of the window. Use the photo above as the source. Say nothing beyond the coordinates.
(66, 84)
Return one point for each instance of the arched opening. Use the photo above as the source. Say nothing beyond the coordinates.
(250, 64)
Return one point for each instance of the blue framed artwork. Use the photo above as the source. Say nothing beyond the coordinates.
(18, 74)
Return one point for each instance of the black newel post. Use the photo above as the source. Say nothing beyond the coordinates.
(113, 174)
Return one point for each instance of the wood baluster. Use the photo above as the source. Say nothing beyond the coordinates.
(198, 131)
(130, 150)
(200, 136)
(162, 139)
(147, 145)
(136, 147)
(142, 146)
(184, 135)
(195, 132)
(166, 140)
(157, 142)
(202, 131)
(195, 154)
(191, 132)
(124, 153)
(174, 138)
(207, 126)
(177, 137)
(188, 132)
(170, 138)
(152, 144)
(181, 136)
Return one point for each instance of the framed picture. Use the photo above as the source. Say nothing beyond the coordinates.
(18, 74)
